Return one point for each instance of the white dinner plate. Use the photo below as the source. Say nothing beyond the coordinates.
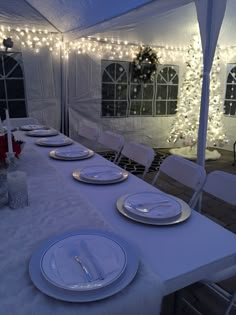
(33, 127)
(153, 205)
(71, 155)
(100, 174)
(149, 218)
(42, 133)
(54, 142)
(57, 292)
(84, 262)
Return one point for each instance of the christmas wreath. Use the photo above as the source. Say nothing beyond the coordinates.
(145, 65)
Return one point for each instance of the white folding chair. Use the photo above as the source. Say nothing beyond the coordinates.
(138, 153)
(222, 186)
(17, 122)
(185, 172)
(90, 133)
(112, 141)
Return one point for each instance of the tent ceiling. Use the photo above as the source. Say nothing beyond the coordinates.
(174, 27)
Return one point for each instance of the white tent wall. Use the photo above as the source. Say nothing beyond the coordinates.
(43, 86)
(85, 87)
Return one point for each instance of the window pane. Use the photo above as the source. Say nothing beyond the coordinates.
(172, 92)
(119, 71)
(108, 108)
(121, 91)
(3, 106)
(136, 91)
(231, 79)
(165, 73)
(9, 63)
(1, 69)
(147, 91)
(230, 91)
(161, 108)
(122, 78)
(2, 90)
(111, 70)
(15, 89)
(173, 76)
(161, 92)
(171, 107)
(106, 77)
(16, 73)
(121, 109)
(146, 108)
(160, 79)
(135, 108)
(108, 91)
(17, 109)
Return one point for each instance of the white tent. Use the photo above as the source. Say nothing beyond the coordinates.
(56, 87)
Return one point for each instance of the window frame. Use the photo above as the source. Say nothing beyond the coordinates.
(230, 67)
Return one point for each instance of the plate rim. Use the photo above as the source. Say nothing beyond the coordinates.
(76, 176)
(53, 133)
(83, 296)
(95, 288)
(54, 156)
(40, 127)
(38, 142)
(185, 212)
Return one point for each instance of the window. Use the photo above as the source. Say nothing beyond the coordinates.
(230, 94)
(141, 96)
(123, 95)
(167, 81)
(12, 92)
(115, 89)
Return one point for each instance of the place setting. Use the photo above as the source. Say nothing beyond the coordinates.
(100, 175)
(42, 133)
(72, 154)
(54, 142)
(154, 208)
(83, 265)
(33, 127)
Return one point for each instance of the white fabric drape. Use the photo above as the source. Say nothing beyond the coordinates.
(210, 15)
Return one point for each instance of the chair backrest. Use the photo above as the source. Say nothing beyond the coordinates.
(89, 132)
(221, 185)
(138, 153)
(18, 122)
(185, 172)
(112, 141)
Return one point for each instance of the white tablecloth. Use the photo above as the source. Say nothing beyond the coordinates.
(55, 208)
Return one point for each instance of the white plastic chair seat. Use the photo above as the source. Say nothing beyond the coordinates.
(138, 153)
(185, 172)
(112, 141)
(18, 122)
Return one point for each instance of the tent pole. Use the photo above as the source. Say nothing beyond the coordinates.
(63, 67)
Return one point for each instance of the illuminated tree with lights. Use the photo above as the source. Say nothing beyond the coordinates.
(186, 123)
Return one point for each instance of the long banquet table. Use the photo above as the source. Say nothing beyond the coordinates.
(178, 255)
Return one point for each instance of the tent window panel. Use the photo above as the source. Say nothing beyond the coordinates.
(17, 108)
(9, 64)
(171, 107)
(2, 90)
(121, 92)
(230, 93)
(161, 108)
(108, 91)
(230, 108)
(106, 77)
(172, 92)
(16, 73)
(108, 109)
(15, 89)
(135, 108)
(148, 92)
(161, 92)
(3, 106)
(146, 108)
(136, 91)
(121, 109)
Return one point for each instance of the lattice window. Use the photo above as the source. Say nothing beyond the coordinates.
(114, 88)
(12, 92)
(230, 94)
(166, 90)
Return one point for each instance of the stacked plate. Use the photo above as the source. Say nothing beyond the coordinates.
(42, 133)
(54, 142)
(72, 154)
(83, 266)
(100, 174)
(32, 127)
(153, 208)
